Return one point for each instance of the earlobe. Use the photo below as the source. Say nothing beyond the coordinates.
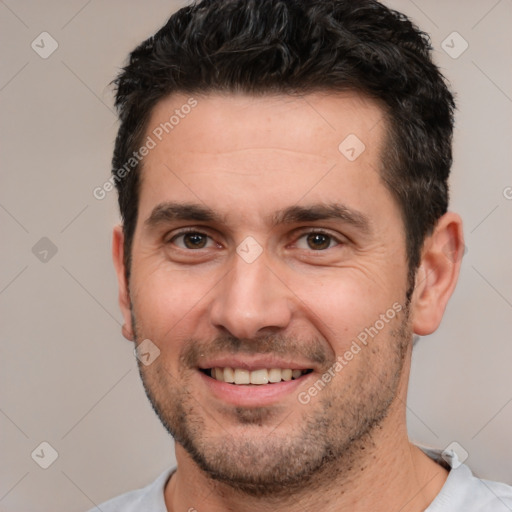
(124, 294)
(437, 274)
(127, 332)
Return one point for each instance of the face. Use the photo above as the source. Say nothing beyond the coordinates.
(269, 269)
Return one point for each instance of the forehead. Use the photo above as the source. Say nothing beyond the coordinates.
(263, 151)
(230, 122)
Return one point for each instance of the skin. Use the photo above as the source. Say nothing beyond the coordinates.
(304, 300)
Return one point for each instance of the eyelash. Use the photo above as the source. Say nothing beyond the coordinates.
(300, 235)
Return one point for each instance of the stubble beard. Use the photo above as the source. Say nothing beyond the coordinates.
(265, 455)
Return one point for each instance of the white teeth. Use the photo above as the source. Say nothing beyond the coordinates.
(286, 374)
(242, 376)
(229, 375)
(274, 375)
(258, 377)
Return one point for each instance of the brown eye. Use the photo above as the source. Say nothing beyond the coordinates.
(316, 241)
(195, 240)
(191, 240)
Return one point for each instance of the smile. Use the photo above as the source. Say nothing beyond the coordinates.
(242, 376)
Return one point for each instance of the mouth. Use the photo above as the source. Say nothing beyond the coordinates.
(258, 377)
(254, 381)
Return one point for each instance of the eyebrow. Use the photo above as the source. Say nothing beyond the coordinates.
(331, 211)
(171, 211)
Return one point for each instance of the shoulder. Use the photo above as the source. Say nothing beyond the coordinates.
(465, 492)
(150, 497)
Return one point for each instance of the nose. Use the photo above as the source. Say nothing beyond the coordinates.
(251, 300)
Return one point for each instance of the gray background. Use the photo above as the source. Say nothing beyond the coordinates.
(69, 378)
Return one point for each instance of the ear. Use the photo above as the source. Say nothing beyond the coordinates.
(437, 274)
(124, 294)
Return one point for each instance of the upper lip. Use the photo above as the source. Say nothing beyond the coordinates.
(254, 363)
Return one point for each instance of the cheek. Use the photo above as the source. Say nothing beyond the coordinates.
(342, 308)
(166, 301)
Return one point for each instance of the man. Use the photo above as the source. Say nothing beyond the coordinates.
(282, 173)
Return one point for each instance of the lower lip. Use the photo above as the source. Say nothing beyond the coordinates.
(252, 395)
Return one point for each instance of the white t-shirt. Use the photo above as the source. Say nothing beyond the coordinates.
(462, 492)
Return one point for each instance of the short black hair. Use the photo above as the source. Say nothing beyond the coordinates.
(297, 47)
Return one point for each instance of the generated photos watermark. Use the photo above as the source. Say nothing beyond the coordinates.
(152, 140)
(361, 341)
